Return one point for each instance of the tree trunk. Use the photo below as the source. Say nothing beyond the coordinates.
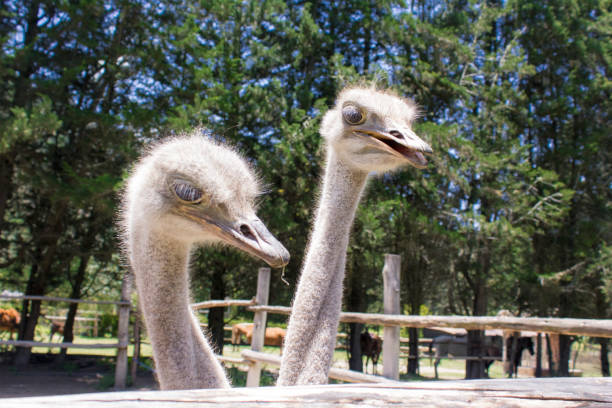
(475, 368)
(356, 357)
(72, 309)
(603, 357)
(6, 175)
(25, 304)
(565, 348)
(38, 283)
(413, 351)
(552, 367)
(215, 314)
(30, 313)
(538, 370)
(475, 338)
(355, 302)
(22, 357)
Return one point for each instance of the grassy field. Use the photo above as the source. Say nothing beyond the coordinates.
(587, 361)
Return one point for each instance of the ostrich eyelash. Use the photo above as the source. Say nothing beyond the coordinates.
(188, 193)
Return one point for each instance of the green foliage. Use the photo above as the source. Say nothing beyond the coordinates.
(238, 377)
(23, 125)
(107, 326)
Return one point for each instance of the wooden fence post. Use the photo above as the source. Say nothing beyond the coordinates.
(136, 353)
(391, 300)
(259, 327)
(123, 333)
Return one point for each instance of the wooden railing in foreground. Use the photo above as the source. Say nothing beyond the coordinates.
(523, 393)
(223, 303)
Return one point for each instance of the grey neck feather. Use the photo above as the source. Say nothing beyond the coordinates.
(183, 357)
(311, 334)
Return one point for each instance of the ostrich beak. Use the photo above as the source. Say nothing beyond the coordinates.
(400, 141)
(251, 235)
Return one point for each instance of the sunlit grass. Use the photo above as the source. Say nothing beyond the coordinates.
(587, 362)
(145, 348)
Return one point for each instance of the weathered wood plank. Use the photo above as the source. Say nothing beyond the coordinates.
(76, 318)
(259, 325)
(391, 305)
(579, 327)
(123, 333)
(223, 303)
(335, 373)
(549, 392)
(61, 299)
(28, 343)
(233, 360)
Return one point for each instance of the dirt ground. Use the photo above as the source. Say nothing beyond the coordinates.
(78, 374)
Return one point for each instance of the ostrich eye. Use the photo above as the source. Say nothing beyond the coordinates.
(353, 115)
(187, 192)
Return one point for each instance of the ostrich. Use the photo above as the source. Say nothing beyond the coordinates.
(189, 190)
(367, 131)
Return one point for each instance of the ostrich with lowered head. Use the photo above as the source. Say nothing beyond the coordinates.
(189, 190)
(367, 131)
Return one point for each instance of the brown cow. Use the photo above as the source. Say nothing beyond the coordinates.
(9, 321)
(238, 330)
(275, 336)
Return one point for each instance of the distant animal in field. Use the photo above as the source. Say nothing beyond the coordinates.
(9, 321)
(371, 347)
(491, 351)
(456, 346)
(57, 326)
(239, 330)
(274, 336)
(522, 343)
(445, 346)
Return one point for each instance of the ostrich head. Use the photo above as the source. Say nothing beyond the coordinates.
(195, 191)
(372, 131)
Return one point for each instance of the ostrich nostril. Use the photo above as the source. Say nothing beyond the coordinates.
(396, 133)
(247, 232)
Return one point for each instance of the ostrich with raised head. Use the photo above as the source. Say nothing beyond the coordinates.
(367, 131)
(187, 191)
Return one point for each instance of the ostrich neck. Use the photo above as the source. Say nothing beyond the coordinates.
(183, 358)
(311, 334)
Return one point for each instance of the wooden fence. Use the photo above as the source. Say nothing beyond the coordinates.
(392, 321)
(122, 330)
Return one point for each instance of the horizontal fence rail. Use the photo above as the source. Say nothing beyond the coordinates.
(27, 343)
(559, 325)
(76, 319)
(61, 299)
(335, 373)
(223, 303)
